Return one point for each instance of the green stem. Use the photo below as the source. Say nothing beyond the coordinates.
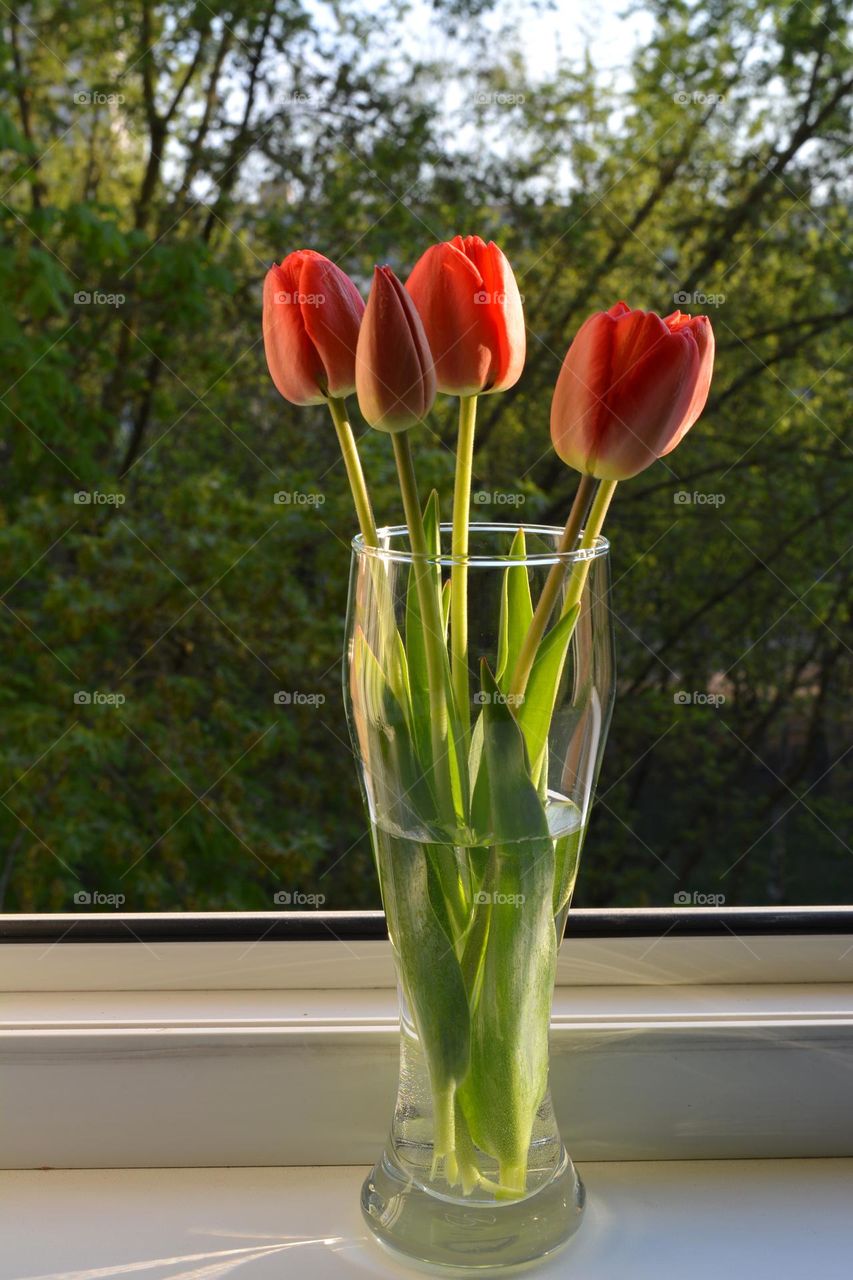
(551, 589)
(355, 475)
(595, 521)
(430, 620)
(459, 569)
(444, 1130)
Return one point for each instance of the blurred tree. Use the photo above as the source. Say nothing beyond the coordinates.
(154, 159)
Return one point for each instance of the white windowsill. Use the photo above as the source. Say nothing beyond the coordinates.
(285, 1053)
(645, 1221)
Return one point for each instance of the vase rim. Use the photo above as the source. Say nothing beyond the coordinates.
(387, 533)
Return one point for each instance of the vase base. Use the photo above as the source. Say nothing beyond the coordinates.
(468, 1235)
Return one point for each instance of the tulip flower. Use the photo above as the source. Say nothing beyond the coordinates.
(312, 313)
(394, 373)
(469, 302)
(631, 386)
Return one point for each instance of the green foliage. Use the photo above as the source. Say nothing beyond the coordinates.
(157, 157)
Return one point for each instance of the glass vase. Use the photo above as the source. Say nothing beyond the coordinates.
(478, 803)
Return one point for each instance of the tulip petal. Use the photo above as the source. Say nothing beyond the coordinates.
(509, 340)
(332, 309)
(645, 407)
(700, 327)
(448, 292)
(294, 364)
(579, 408)
(394, 371)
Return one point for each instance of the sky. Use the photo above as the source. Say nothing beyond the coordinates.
(566, 27)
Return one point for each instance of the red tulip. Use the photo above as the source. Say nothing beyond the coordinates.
(469, 302)
(312, 313)
(630, 388)
(394, 373)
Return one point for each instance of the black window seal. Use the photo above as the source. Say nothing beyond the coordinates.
(353, 926)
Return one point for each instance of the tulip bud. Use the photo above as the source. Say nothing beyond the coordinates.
(312, 313)
(469, 302)
(394, 374)
(631, 386)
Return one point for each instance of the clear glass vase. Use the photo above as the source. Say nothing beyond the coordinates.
(478, 806)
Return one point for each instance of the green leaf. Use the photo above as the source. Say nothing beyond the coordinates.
(509, 1030)
(516, 613)
(445, 606)
(401, 790)
(481, 808)
(537, 708)
(429, 969)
